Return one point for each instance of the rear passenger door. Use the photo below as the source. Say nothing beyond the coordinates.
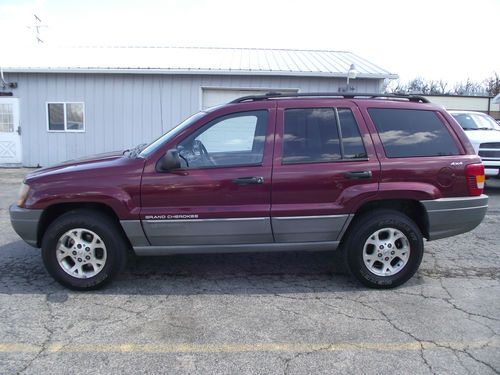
(324, 167)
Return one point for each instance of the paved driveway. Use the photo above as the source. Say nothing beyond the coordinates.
(289, 313)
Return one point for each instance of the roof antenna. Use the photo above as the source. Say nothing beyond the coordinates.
(37, 25)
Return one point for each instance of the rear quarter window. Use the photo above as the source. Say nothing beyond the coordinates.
(412, 133)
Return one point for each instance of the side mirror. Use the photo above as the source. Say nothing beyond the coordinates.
(168, 162)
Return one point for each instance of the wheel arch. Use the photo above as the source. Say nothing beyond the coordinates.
(54, 211)
(410, 207)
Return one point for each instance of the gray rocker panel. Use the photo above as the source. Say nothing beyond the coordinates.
(208, 231)
(309, 228)
(238, 248)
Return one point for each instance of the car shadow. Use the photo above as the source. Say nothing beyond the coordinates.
(22, 272)
(492, 187)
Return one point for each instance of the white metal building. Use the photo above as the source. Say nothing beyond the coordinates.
(60, 104)
(484, 104)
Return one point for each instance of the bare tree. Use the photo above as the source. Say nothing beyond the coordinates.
(469, 88)
(434, 88)
(419, 85)
(442, 86)
(493, 85)
(396, 87)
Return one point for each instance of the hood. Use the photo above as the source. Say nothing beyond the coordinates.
(80, 164)
(482, 136)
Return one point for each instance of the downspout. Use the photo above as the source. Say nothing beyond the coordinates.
(4, 83)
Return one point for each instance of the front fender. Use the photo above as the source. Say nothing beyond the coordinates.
(117, 186)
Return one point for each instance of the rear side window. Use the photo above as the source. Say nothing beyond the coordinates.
(318, 135)
(409, 133)
(351, 138)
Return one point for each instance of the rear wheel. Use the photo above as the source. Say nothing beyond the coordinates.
(384, 249)
(83, 250)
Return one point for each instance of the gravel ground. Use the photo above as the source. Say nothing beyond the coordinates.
(286, 313)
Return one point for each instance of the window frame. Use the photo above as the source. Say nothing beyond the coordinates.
(200, 130)
(339, 132)
(65, 130)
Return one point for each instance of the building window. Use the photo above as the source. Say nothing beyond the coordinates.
(67, 117)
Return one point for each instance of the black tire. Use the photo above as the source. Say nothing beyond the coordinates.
(363, 229)
(112, 238)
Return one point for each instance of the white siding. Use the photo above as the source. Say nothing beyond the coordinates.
(469, 103)
(123, 110)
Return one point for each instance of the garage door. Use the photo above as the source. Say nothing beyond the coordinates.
(213, 96)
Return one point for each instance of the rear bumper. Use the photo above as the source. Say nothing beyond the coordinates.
(25, 223)
(451, 216)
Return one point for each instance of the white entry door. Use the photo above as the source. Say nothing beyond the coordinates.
(10, 133)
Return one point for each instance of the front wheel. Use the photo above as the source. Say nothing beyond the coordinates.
(83, 250)
(384, 249)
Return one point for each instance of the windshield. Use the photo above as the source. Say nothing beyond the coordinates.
(474, 121)
(171, 133)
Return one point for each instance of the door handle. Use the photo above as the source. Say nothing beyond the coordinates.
(248, 180)
(356, 175)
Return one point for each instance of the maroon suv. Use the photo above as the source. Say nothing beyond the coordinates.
(369, 175)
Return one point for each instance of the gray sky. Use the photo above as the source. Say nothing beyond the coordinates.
(436, 39)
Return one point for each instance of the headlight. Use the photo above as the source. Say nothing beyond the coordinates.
(22, 195)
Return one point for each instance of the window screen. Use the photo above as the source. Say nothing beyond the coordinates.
(409, 132)
(56, 116)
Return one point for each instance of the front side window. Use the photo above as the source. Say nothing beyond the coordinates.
(412, 133)
(318, 135)
(233, 140)
(65, 117)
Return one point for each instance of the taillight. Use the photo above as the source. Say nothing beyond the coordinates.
(475, 178)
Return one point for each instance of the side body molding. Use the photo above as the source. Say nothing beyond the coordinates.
(163, 237)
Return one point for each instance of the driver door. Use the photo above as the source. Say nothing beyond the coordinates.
(222, 194)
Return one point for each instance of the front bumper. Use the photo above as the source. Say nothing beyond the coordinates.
(491, 166)
(451, 216)
(25, 223)
(492, 172)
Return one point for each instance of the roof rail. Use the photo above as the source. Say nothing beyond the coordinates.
(271, 95)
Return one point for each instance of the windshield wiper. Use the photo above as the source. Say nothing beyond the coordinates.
(132, 152)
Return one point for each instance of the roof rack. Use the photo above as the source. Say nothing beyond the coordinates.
(271, 95)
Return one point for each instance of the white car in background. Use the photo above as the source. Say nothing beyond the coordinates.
(484, 134)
